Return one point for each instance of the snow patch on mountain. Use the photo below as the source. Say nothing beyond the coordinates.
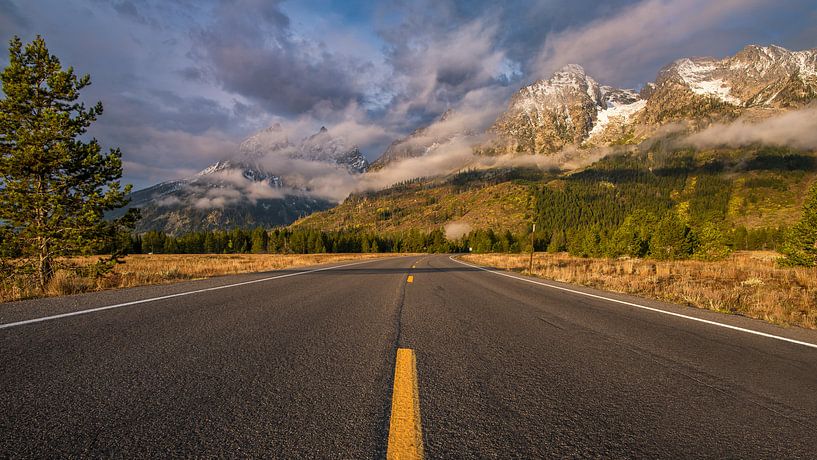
(615, 112)
(698, 76)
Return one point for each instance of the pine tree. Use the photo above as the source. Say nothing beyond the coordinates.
(632, 238)
(800, 246)
(557, 241)
(54, 187)
(260, 240)
(672, 239)
(710, 242)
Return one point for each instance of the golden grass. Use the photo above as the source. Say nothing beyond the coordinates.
(747, 283)
(143, 269)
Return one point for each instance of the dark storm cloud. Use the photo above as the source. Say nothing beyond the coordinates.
(250, 50)
(164, 135)
(128, 9)
(522, 25)
(11, 19)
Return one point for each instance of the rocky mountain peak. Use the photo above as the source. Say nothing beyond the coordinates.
(446, 115)
(549, 114)
(324, 147)
(321, 146)
(568, 84)
(260, 144)
(757, 76)
(416, 144)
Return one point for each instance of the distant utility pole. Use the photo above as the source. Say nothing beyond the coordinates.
(530, 264)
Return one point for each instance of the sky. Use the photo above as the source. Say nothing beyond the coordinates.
(184, 81)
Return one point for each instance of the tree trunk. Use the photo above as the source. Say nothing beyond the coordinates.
(45, 266)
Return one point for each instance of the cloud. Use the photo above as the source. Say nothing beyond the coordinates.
(183, 82)
(11, 18)
(646, 36)
(250, 49)
(797, 129)
(435, 71)
(455, 230)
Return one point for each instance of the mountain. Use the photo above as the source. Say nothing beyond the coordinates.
(321, 146)
(571, 108)
(567, 109)
(217, 198)
(243, 191)
(420, 142)
(757, 81)
(550, 114)
(492, 198)
(758, 187)
(746, 195)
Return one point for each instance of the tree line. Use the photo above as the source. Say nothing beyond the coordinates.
(290, 241)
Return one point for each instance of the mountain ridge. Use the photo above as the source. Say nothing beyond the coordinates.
(243, 190)
(568, 110)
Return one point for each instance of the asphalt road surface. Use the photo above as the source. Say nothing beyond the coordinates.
(301, 363)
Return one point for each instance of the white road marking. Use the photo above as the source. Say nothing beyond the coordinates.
(631, 304)
(180, 294)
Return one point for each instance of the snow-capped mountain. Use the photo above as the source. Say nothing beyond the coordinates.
(245, 190)
(223, 195)
(571, 108)
(272, 139)
(756, 76)
(321, 146)
(757, 79)
(420, 142)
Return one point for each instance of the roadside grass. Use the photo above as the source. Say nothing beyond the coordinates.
(747, 283)
(144, 269)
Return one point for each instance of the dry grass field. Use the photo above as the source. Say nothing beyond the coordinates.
(142, 269)
(746, 283)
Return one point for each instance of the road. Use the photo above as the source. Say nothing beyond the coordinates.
(300, 364)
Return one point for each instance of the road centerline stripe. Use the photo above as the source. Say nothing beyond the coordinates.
(170, 296)
(405, 427)
(643, 307)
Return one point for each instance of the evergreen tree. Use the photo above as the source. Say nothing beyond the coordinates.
(672, 239)
(800, 246)
(54, 187)
(210, 246)
(710, 242)
(558, 242)
(260, 240)
(632, 238)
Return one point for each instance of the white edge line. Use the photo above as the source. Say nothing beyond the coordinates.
(170, 296)
(631, 304)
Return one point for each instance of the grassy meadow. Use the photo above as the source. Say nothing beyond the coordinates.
(146, 269)
(748, 283)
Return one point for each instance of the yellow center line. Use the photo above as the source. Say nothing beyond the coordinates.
(405, 429)
(410, 279)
